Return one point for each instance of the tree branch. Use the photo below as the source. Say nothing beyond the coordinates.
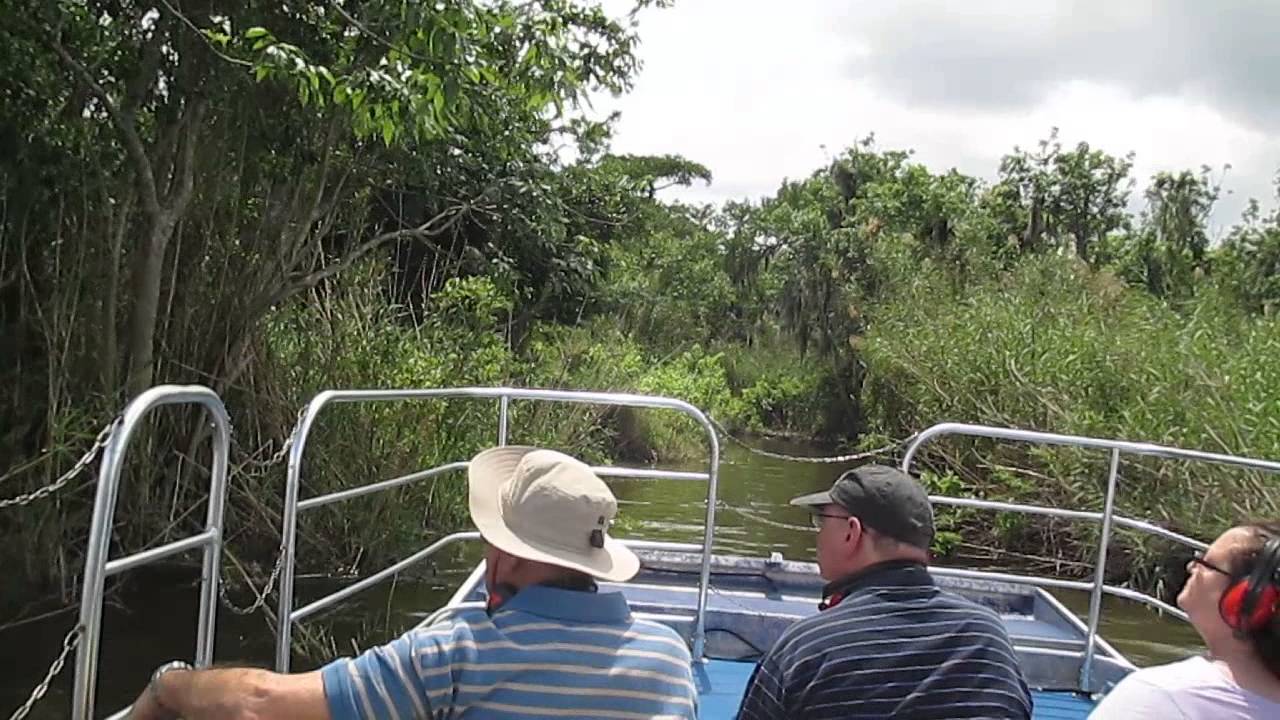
(316, 209)
(380, 39)
(187, 21)
(184, 170)
(136, 88)
(431, 228)
(330, 214)
(123, 122)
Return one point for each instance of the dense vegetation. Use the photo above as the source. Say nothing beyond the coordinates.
(273, 200)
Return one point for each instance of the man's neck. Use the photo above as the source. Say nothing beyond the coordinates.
(835, 591)
(851, 574)
(560, 580)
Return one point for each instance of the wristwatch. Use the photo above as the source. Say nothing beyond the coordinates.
(155, 677)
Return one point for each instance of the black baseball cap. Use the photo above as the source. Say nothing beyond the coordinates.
(885, 499)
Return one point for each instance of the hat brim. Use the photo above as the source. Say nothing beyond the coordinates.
(817, 499)
(486, 474)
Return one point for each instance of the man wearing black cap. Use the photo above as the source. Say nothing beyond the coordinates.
(888, 642)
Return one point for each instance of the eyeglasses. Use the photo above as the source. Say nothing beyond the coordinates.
(1198, 559)
(816, 519)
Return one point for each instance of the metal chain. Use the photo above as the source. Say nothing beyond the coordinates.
(878, 452)
(260, 598)
(250, 461)
(104, 436)
(69, 643)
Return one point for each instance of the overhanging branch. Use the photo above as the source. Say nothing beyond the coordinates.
(123, 122)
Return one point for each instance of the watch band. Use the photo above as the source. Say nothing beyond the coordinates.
(155, 676)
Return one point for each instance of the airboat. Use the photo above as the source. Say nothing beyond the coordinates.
(729, 608)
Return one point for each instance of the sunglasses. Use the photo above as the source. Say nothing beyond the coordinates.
(816, 519)
(1198, 559)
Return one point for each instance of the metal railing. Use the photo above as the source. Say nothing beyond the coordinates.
(98, 567)
(1107, 518)
(288, 615)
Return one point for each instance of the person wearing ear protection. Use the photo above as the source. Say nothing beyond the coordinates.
(887, 642)
(548, 643)
(1232, 598)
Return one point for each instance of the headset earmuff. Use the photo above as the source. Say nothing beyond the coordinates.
(1250, 602)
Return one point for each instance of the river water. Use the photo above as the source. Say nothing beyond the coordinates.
(155, 619)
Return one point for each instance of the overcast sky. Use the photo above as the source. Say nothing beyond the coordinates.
(760, 90)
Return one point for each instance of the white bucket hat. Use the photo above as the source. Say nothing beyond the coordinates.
(545, 506)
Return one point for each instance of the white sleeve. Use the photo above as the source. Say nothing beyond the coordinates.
(1136, 699)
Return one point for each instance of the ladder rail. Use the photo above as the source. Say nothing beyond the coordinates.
(98, 564)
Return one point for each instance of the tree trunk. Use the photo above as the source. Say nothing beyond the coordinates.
(162, 219)
(1035, 226)
(146, 306)
(110, 319)
(1082, 245)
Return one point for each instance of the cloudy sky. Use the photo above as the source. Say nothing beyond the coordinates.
(759, 90)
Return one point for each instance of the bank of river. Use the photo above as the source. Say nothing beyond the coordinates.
(156, 621)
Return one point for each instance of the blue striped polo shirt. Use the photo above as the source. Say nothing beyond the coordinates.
(896, 646)
(545, 653)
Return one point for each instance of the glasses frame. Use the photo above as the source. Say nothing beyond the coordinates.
(1198, 559)
(816, 518)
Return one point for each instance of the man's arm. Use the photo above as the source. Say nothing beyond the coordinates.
(232, 694)
(382, 682)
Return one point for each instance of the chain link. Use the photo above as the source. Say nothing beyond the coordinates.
(104, 436)
(248, 459)
(260, 598)
(878, 452)
(69, 643)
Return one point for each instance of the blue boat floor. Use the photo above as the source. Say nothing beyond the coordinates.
(722, 682)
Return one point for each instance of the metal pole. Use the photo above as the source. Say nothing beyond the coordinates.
(289, 531)
(1095, 596)
(708, 539)
(1032, 436)
(104, 503)
(504, 404)
(212, 567)
(96, 556)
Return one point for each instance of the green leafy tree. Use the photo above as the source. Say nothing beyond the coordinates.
(1248, 262)
(1168, 253)
(174, 175)
(1081, 193)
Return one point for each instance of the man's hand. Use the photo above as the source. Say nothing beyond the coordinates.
(147, 707)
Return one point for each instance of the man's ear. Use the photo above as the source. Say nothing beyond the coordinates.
(853, 534)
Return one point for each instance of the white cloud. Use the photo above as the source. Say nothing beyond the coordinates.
(756, 89)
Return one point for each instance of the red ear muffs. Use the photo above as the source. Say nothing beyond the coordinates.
(1231, 606)
(1250, 603)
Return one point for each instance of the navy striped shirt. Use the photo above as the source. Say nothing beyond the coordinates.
(895, 646)
(545, 653)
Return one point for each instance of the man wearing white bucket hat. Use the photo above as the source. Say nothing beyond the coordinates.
(547, 643)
